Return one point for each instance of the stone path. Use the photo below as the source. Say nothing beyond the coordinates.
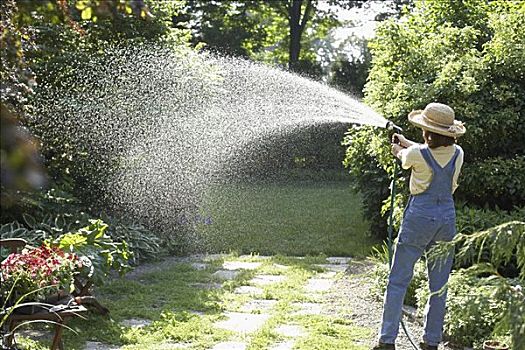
(343, 285)
(248, 322)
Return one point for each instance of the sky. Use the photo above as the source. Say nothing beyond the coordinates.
(362, 22)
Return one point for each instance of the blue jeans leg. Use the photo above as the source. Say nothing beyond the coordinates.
(405, 257)
(438, 273)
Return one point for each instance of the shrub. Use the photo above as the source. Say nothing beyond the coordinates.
(487, 297)
(143, 243)
(496, 182)
(473, 309)
(470, 219)
(470, 58)
(98, 250)
(369, 164)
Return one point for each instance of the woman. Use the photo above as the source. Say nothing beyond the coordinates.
(429, 217)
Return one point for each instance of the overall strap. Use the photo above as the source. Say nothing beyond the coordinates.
(452, 161)
(431, 162)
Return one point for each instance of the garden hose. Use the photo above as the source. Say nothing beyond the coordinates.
(389, 242)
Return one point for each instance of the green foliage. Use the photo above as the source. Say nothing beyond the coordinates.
(489, 250)
(469, 55)
(496, 257)
(45, 39)
(142, 242)
(262, 31)
(494, 181)
(349, 73)
(470, 220)
(99, 252)
(474, 309)
(370, 165)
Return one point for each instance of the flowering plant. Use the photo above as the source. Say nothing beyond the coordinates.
(34, 269)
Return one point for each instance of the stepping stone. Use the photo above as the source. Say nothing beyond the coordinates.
(206, 285)
(289, 330)
(329, 274)
(248, 290)
(199, 266)
(95, 345)
(258, 305)
(238, 265)
(244, 323)
(136, 322)
(333, 267)
(308, 308)
(279, 266)
(319, 285)
(338, 260)
(225, 274)
(230, 345)
(263, 280)
(283, 346)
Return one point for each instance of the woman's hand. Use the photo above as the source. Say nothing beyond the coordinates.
(403, 142)
(396, 149)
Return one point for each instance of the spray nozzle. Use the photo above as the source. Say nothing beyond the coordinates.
(391, 126)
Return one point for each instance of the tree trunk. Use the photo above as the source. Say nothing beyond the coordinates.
(297, 24)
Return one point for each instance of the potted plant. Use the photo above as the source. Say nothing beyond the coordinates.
(494, 345)
(47, 270)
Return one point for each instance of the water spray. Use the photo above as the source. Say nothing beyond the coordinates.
(391, 126)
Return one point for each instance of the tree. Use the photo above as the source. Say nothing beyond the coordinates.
(278, 32)
(36, 37)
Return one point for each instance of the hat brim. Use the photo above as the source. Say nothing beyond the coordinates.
(416, 117)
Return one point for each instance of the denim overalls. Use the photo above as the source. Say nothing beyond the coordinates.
(429, 217)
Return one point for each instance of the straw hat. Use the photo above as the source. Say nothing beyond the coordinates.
(438, 118)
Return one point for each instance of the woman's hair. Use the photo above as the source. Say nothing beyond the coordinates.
(434, 140)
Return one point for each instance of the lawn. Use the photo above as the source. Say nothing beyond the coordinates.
(299, 218)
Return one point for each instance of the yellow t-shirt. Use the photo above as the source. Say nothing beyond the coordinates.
(421, 176)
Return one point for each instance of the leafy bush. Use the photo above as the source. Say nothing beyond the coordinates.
(496, 182)
(469, 59)
(487, 251)
(470, 219)
(143, 243)
(102, 253)
(369, 164)
(473, 309)
(487, 297)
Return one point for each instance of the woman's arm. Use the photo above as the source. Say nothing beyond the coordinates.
(403, 141)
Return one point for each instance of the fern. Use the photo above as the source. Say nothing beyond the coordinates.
(485, 251)
(496, 246)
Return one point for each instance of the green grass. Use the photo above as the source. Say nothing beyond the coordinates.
(298, 218)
